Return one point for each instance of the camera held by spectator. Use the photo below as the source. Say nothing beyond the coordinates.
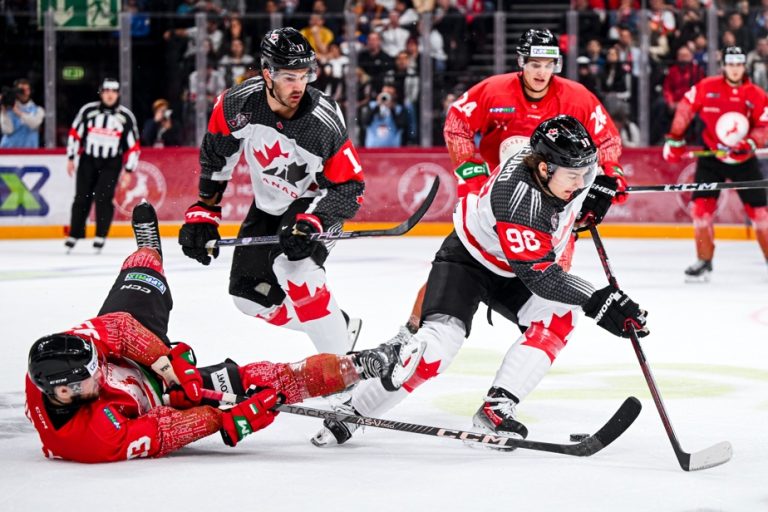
(20, 117)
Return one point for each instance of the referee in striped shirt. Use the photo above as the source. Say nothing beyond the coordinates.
(104, 134)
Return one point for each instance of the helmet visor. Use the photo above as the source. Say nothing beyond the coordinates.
(295, 76)
(567, 182)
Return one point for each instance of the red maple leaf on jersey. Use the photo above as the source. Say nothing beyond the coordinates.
(267, 155)
(424, 372)
(308, 306)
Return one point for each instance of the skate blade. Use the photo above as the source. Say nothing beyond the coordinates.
(410, 355)
(705, 278)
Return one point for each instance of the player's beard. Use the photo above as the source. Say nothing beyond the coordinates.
(289, 100)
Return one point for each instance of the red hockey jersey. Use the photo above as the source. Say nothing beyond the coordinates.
(498, 109)
(729, 113)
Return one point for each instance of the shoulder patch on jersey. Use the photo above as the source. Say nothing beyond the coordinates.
(111, 417)
(241, 120)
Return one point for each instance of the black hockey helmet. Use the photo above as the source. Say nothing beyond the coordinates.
(60, 360)
(733, 55)
(286, 48)
(539, 43)
(563, 141)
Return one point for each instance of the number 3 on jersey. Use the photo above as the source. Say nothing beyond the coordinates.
(522, 243)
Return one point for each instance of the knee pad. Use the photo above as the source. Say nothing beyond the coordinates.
(703, 208)
(549, 340)
(144, 258)
(444, 336)
(274, 314)
(758, 215)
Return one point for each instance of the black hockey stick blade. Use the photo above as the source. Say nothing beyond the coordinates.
(621, 420)
(398, 230)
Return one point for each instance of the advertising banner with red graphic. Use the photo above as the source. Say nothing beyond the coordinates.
(36, 190)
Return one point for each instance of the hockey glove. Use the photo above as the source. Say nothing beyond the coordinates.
(614, 311)
(674, 150)
(178, 371)
(743, 151)
(201, 224)
(296, 241)
(599, 198)
(472, 176)
(249, 416)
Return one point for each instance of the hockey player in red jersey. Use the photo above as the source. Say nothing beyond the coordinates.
(504, 252)
(505, 109)
(306, 178)
(111, 389)
(735, 116)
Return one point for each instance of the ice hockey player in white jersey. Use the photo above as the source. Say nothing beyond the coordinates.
(306, 179)
(503, 252)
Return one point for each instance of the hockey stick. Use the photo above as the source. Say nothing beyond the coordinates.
(698, 187)
(707, 458)
(398, 230)
(759, 153)
(619, 422)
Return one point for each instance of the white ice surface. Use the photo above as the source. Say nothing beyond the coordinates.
(708, 350)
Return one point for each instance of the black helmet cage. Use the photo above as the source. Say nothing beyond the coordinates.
(286, 48)
(541, 44)
(61, 360)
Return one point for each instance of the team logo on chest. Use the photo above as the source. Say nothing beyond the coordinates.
(731, 127)
(291, 172)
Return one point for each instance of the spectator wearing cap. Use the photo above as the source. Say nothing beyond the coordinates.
(103, 135)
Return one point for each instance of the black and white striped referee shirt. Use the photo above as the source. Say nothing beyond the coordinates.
(105, 132)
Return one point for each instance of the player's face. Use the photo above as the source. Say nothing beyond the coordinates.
(109, 97)
(290, 85)
(87, 389)
(566, 181)
(734, 72)
(537, 73)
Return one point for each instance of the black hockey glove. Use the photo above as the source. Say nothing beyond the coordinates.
(296, 242)
(201, 225)
(614, 311)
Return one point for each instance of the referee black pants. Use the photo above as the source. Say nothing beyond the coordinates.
(96, 182)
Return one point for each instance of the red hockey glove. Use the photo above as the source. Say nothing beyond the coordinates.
(296, 242)
(201, 224)
(249, 416)
(674, 150)
(472, 176)
(178, 369)
(614, 311)
(615, 170)
(743, 151)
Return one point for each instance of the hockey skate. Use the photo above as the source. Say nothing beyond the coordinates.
(69, 243)
(98, 243)
(354, 326)
(393, 363)
(497, 416)
(145, 226)
(699, 272)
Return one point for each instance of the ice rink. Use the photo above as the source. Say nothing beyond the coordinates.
(708, 348)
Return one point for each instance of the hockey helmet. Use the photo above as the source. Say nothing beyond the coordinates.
(734, 55)
(109, 84)
(563, 141)
(539, 43)
(286, 48)
(61, 360)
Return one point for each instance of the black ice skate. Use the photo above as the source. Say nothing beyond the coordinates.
(69, 243)
(145, 226)
(336, 432)
(497, 415)
(699, 272)
(393, 363)
(98, 243)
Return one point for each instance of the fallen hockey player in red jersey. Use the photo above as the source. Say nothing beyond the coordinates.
(95, 393)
